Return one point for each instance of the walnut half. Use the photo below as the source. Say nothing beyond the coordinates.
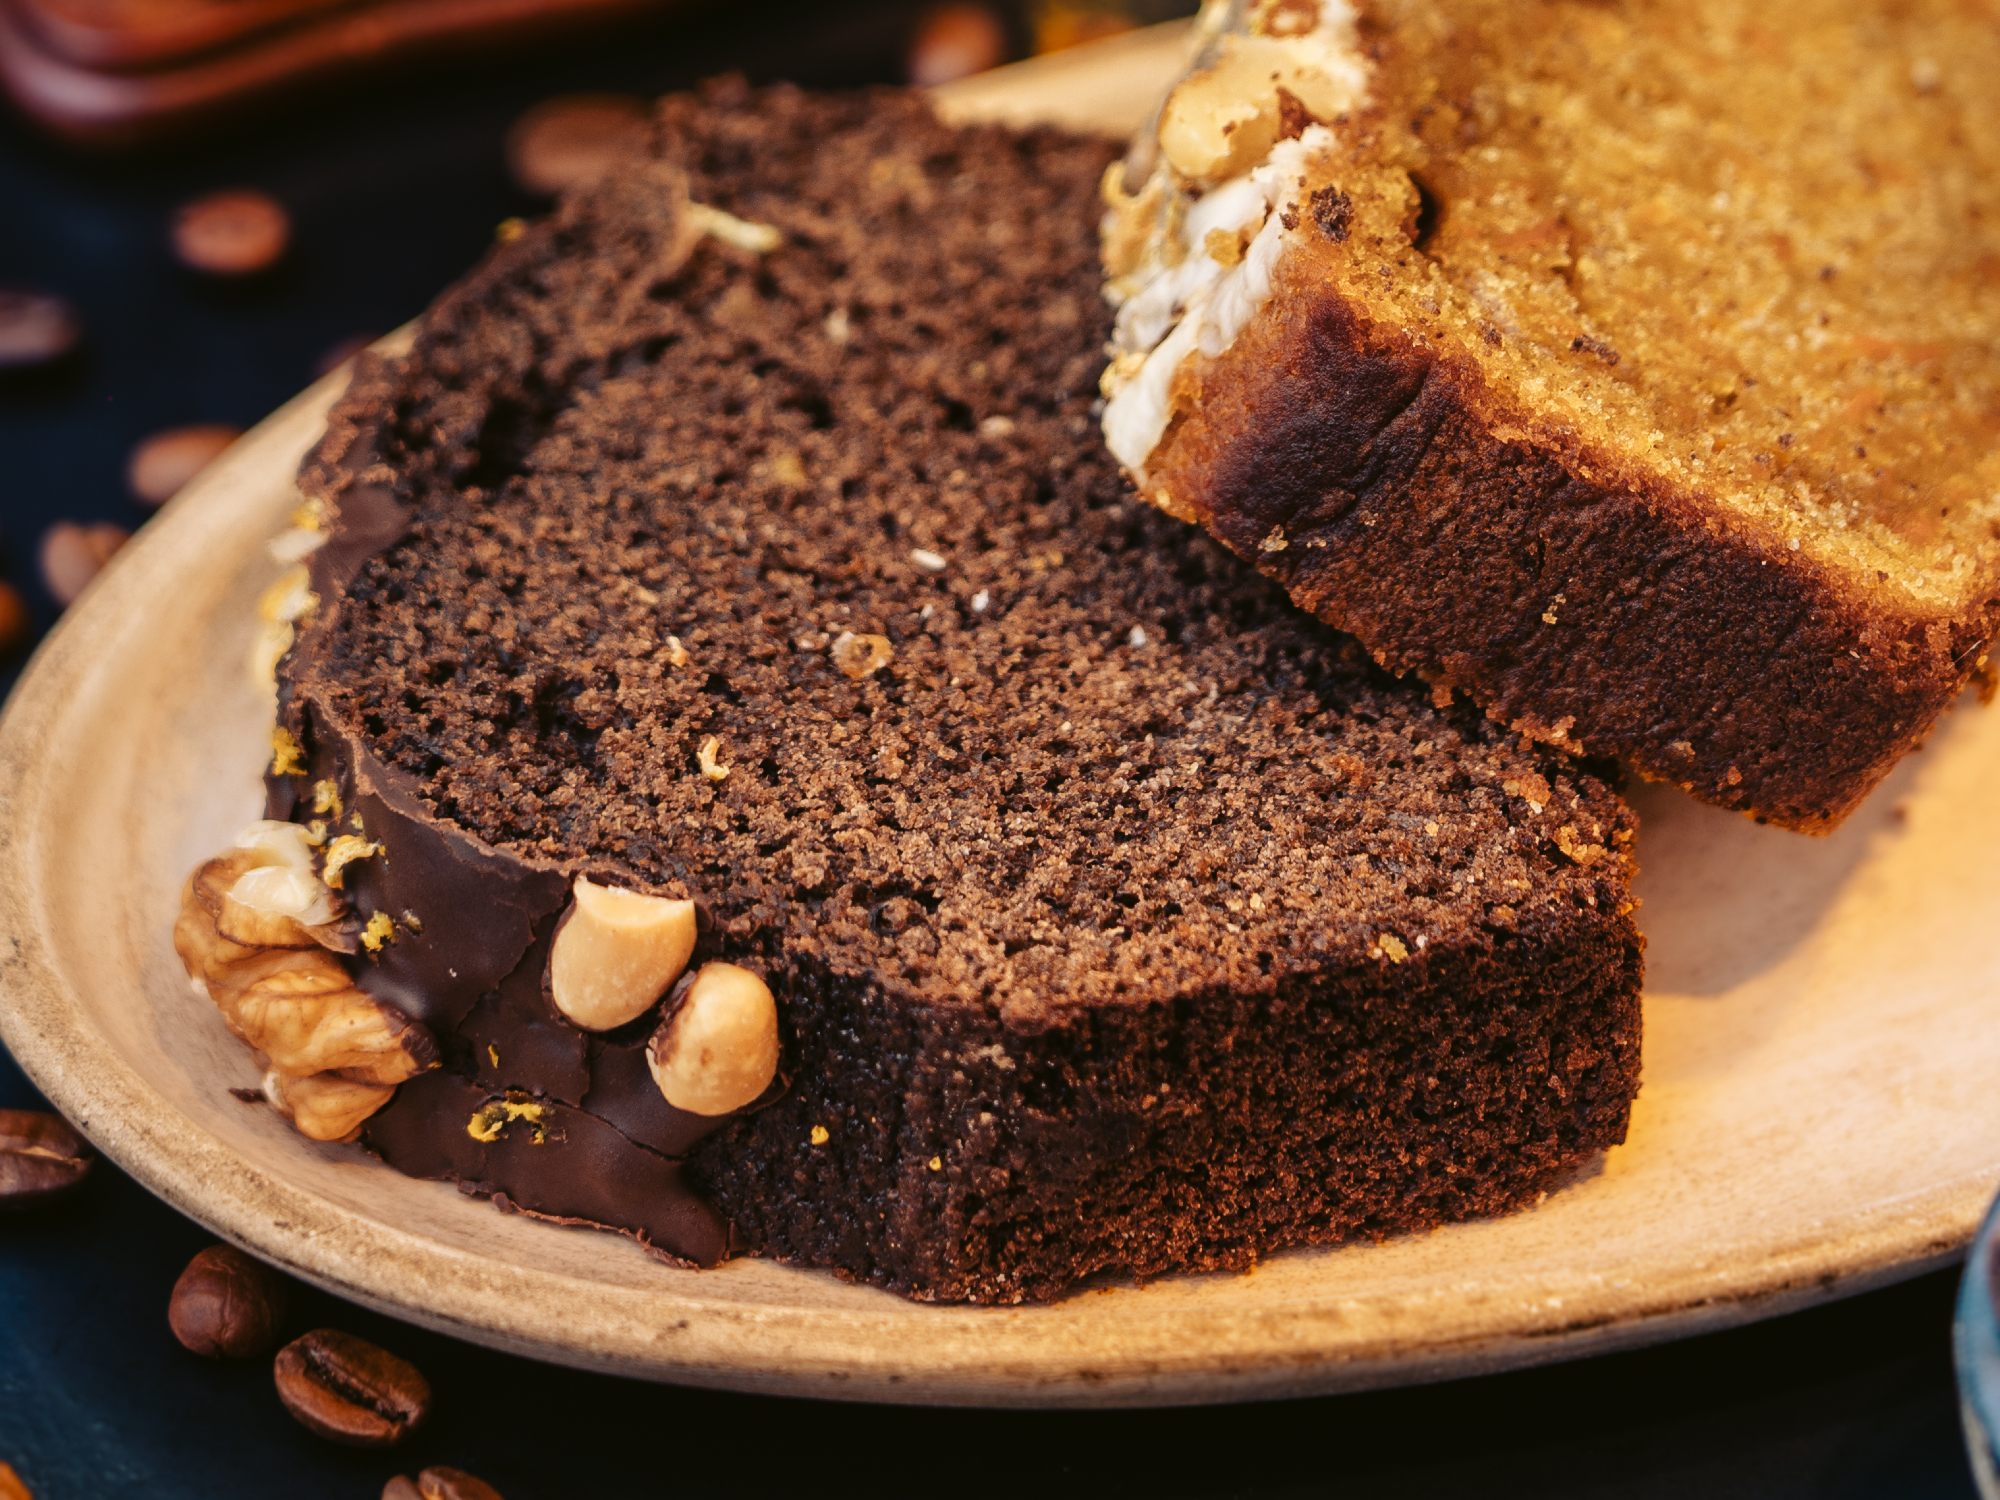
(259, 932)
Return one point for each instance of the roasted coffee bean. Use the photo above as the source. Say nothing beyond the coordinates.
(402, 1487)
(15, 624)
(572, 139)
(442, 1483)
(72, 555)
(11, 1487)
(955, 41)
(41, 1158)
(349, 1391)
(35, 329)
(166, 461)
(235, 232)
(227, 1306)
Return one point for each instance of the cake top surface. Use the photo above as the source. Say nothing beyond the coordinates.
(1744, 252)
(1753, 247)
(794, 576)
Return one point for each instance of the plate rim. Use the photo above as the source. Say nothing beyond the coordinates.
(482, 1300)
(1000, 1357)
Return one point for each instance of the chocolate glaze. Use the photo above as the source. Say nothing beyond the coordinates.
(582, 1171)
(476, 909)
(469, 954)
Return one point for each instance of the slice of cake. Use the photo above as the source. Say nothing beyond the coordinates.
(1634, 368)
(731, 583)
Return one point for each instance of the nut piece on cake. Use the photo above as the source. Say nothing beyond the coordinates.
(260, 933)
(325, 1106)
(718, 1051)
(616, 952)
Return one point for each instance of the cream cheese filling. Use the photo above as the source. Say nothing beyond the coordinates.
(1190, 255)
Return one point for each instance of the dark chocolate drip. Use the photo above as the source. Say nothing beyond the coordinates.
(521, 1041)
(468, 956)
(475, 908)
(622, 1091)
(363, 519)
(580, 1171)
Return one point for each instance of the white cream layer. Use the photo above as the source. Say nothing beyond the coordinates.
(1195, 289)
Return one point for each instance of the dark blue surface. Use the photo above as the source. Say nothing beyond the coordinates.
(97, 1400)
(394, 193)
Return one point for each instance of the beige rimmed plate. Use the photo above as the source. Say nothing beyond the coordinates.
(1819, 1112)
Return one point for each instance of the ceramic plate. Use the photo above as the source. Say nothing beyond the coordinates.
(1818, 1114)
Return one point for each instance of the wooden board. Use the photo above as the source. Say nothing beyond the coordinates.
(1818, 1114)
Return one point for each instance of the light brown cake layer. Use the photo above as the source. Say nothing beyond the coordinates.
(1636, 369)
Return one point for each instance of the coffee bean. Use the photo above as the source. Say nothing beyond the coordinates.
(349, 1391)
(166, 461)
(15, 624)
(41, 1158)
(35, 329)
(235, 232)
(402, 1487)
(954, 41)
(572, 139)
(72, 555)
(11, 1487)
(442, 1483)
(227, 1306)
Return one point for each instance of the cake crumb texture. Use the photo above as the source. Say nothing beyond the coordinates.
(1121, 916)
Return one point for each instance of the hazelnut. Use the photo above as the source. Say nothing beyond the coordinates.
(441, 1483)
(955, 41)
(160, 467)
(718, 1051)
(616, 953)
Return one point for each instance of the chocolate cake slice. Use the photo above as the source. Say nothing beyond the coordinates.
(1632, 368)
(742, 535)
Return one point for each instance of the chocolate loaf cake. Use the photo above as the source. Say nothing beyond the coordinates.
(1633, 368)
(742, 536)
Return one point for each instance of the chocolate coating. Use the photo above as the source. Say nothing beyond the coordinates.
(582, 1171)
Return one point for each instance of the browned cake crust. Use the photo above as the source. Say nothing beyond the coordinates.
(1509, 418)
(1120, 916)
(1579, 602)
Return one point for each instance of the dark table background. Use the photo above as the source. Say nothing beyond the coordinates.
(394, 191)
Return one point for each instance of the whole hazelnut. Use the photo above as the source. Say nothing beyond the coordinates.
(718, 1050)
(616, 953)
(228, 1306)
